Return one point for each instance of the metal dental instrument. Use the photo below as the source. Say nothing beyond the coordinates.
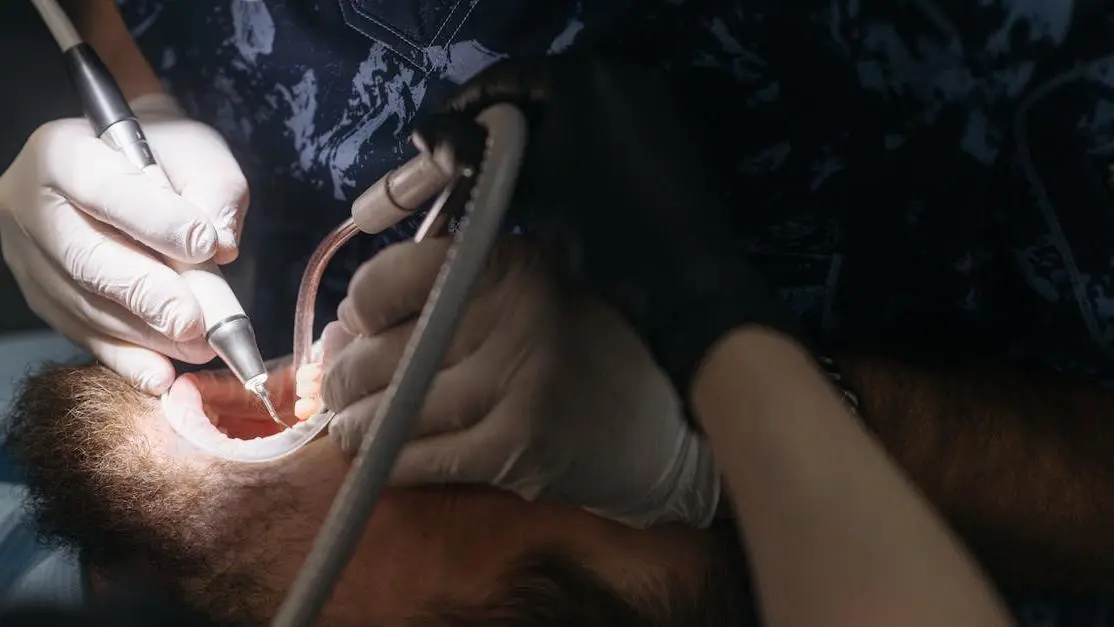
(484, 188)
(227, 327)
(396, 196)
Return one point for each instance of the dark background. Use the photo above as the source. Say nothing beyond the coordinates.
(33, 90)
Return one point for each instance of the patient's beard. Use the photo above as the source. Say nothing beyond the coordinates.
(195, 524)
(214, 532)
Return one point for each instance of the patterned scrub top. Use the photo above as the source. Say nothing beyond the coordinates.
(914, 174)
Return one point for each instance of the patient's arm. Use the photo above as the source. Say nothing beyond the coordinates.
(1022, 464)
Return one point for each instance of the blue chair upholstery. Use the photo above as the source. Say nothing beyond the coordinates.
(30, 571)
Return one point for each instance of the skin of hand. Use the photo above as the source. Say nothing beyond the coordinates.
(834, 531)
(82, 231)
(543, 392)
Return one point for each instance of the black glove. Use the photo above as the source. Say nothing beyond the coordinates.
(611, 165)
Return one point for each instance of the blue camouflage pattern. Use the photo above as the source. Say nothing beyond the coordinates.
(316, 100)
(914, 174)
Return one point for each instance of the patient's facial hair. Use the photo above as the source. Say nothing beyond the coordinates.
(109, 476)
(179, 518)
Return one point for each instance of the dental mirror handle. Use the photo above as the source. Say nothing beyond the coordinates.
(227, 328)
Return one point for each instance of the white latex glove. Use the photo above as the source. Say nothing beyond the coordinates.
(543, 393)
(79, 225)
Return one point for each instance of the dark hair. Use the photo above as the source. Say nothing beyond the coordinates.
(550, 589)
(63, 431)
(547, 590)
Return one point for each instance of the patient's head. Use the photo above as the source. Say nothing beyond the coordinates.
(109, 477)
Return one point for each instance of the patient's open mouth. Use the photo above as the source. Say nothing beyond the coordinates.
(230, 408)
(218, 415)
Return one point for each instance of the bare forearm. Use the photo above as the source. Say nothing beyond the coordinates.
(835, 533)
(1022, 464)
(101, 26)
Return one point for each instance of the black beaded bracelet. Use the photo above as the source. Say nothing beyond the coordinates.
(835, 376)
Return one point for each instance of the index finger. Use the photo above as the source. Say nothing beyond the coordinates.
(110, 189)
(395, 284)
(392, 286)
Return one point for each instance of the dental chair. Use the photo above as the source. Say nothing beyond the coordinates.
(30, 572)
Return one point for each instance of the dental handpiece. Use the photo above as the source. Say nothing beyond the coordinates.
(227, 328)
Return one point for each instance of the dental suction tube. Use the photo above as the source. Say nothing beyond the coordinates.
(434, 330)
(392, 198)
(228, 329)
(413, 183)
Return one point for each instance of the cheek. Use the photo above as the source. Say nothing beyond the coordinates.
(415, 557)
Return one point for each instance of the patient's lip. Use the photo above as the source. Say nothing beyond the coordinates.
(184, 391)
(184, 397)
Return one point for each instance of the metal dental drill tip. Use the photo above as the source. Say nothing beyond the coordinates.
(260, 390)
(233, 339)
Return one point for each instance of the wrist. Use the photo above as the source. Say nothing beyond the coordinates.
(738, 367)
(709, 365)
(706, 302)
(748, 354)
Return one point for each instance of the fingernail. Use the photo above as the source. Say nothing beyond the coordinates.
(202, 240)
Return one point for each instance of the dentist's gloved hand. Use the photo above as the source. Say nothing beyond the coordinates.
(614, 168)
(544, 393)
(79, 223)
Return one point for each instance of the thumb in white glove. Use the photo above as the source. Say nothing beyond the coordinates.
(543, 394)
(84, 231)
